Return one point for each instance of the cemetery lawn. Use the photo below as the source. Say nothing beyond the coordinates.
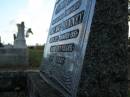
(35, 56)
(128, 93)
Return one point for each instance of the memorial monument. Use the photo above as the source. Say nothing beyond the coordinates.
(15, 55)
(86, 50)
(85, 54)
(66, 45)
(19, 41)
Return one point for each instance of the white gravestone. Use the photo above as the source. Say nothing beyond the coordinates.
(20, 41)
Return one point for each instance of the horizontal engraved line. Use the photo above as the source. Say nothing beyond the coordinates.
(67, 12)
(62, 48)
(73, 21)
(62, 5)
(65, 36)
(57, 59)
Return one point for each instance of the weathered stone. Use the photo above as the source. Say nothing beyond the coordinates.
(85, 58)
(13, 57)
(19, 40)
(66, 44)
(105, 64)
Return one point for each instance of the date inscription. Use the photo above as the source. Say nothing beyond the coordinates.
(65, 36)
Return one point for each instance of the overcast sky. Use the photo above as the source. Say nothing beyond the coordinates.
(35, 13)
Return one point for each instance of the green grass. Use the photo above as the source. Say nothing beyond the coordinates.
(35, 56)
(129, 93)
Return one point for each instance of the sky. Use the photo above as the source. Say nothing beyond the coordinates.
(35, 13)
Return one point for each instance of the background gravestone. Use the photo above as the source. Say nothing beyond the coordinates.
(86, 51)
(20, 41)
(15, 55)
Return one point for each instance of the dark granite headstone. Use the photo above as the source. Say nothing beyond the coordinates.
(86, 50)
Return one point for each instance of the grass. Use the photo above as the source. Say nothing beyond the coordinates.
(129, 93)
(35, 56)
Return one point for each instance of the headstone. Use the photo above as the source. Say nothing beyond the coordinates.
(19, 40)
(13, 58)
(85, 53)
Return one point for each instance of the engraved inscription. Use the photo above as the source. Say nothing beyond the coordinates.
(69, 35)
(58, 18)
(54, 39)
(56, 29)
(73, 21)
(62, 48)
(67, 40)
(62, 5)
(73, 7)
(67, 12)
(65, 36)
(60, 60)
(57, 59)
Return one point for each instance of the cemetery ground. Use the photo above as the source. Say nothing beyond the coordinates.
(129, 93)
